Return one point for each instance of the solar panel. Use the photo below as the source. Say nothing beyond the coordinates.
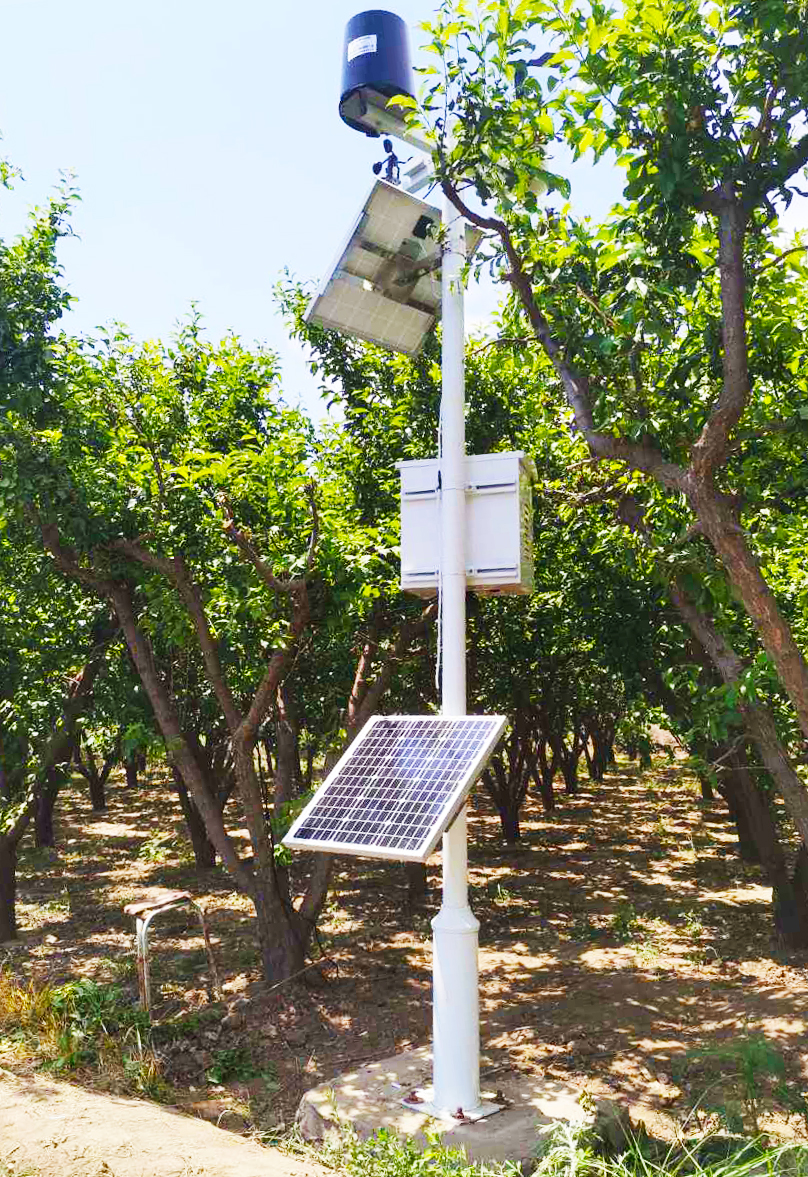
(385, 284)
(398, 787)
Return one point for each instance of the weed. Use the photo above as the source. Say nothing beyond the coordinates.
(81, 1025)
(566, 1151)
(187, 1025)
(625, 922)
(582, 928)
(388, 1155)
(88, 1014)
(58, 905)
(572, 1151)
(231, 1063)
(693, 927)
(740, 1079)
(661, 831)
(502, 896)
(158, 848)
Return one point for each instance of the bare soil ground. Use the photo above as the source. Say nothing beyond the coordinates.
(52, 1129)
(621, 933)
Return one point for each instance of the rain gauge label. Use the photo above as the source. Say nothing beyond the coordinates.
(361, 45)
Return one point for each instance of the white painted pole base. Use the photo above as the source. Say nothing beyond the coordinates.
(456, 1005)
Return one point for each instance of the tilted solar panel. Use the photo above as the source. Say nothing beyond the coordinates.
(398, 787)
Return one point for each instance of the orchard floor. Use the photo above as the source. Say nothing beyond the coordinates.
(622, 933)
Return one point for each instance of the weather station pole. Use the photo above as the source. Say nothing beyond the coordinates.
(455, 1014)
(374, 292)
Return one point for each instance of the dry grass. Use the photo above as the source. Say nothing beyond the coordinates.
(81, 1027)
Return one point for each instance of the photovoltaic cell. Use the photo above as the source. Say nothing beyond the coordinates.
(367, 292)
(398, 787)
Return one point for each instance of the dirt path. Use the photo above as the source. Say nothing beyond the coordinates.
(63, 1131)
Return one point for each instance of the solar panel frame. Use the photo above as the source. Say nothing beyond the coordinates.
(451, 799)
(386, 220)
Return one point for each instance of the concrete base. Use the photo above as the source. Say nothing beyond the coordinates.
(373, 1096)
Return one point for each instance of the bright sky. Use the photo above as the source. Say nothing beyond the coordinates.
(208, 151)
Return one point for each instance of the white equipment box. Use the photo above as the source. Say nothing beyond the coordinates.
(499, 524)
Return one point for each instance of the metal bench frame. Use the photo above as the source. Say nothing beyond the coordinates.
(144, 913)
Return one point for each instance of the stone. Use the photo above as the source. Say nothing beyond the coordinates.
(219, 1114)
(612, 1126)
(370, 1097)
(311, 1125)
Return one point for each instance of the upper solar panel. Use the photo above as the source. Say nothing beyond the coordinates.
(385, 284)
(398, 787)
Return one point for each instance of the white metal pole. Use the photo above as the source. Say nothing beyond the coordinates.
(456, 1028)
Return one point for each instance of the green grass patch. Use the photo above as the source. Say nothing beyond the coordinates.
(567, 1151)
(79, 1027)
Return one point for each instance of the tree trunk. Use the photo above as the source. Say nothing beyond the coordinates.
(45, 802)
(134, 763)
(568, 761)
(707, 791)
(589, 757)
(789, 902)
(747, 845)
(800, 877)
(543, 771)
(602, 749)
(758, 721)
(745, 811)
(57, 751)
(790, 913)
(417, 885)
(509, 816)
(204, 850)
(718, 518)
(98, 796)
(283, 935)
(287, 754)
(8, 888)
(506, 780)
(96, 779)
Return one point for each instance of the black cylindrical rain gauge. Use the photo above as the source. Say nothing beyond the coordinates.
(375, 68)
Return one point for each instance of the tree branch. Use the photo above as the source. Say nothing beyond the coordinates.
(245, 546)
(762, 131)
(247, 730)
(176, 570)
(712, 446)
(644, 457)
(177, 744)
(781, 257)
(373, 692)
